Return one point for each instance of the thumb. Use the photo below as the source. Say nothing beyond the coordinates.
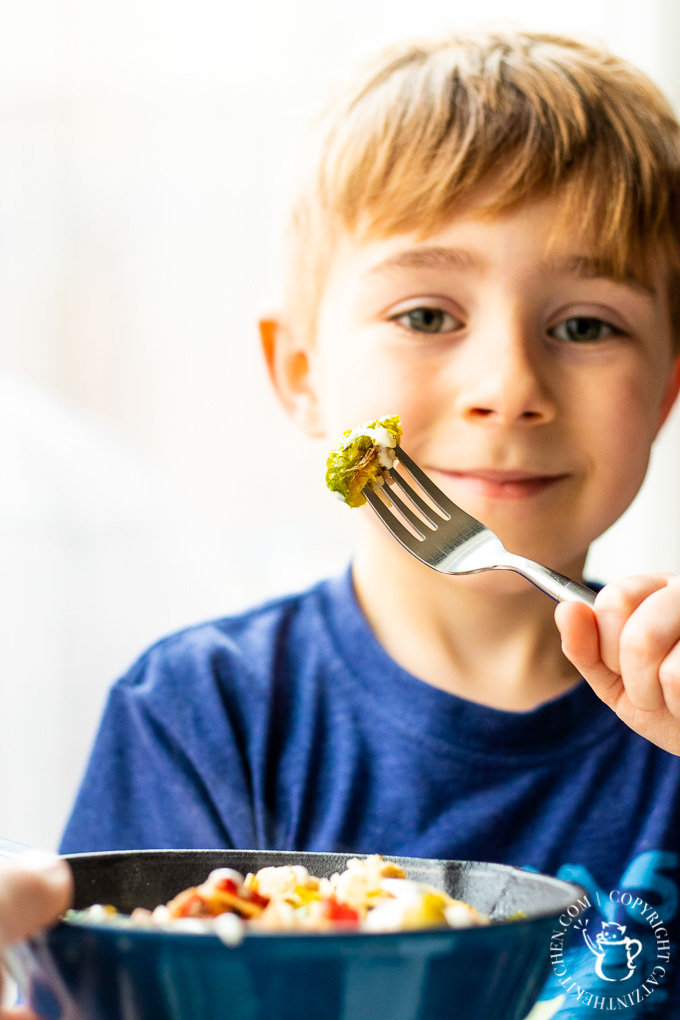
(577, 625)
(34, 889)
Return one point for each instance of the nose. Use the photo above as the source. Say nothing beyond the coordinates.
(506, 385)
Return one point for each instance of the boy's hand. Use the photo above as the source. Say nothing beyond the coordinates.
(34, 890)
(628, 649)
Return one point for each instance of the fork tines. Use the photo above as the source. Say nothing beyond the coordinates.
(442, 503)
(387, 503)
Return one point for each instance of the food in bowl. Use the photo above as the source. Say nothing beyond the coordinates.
(370, 895)
(105, 971)
(361, 458)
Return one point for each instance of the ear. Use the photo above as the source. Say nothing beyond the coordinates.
(289, 366)
(672, 389)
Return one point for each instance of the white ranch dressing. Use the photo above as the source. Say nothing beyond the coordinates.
(381, 438)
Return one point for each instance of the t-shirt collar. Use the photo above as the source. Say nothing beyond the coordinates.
(578, 716)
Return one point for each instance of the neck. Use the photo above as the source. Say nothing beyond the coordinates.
(487, 637)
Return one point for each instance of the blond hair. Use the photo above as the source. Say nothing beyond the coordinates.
(509, 116)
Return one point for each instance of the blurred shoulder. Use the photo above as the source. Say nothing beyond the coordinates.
(246, 648)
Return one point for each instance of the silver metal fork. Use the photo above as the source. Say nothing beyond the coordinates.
(453, 542)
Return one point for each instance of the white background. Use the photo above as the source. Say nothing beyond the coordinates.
(145, 153)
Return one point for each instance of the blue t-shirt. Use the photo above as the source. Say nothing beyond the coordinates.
(289, 727)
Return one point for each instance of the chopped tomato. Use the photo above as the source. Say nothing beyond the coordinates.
(255, 897)
(335, 911)
(227, 885)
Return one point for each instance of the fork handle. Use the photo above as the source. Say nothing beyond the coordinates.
(557, 586)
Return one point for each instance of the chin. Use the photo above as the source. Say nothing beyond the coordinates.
(495, 583)
(557, 550)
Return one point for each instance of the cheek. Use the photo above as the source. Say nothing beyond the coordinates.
(620, 435)
(357, 384)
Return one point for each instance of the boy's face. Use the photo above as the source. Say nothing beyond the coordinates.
(529, 387)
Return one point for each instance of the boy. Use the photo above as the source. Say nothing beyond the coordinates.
(487, 246)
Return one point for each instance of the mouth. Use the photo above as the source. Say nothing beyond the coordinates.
(500, 484)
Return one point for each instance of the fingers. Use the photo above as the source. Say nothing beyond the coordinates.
(614, 606)
(669, 670)
(576, 623)
(581, 645)
(638, 620)
(34, 889)
(630, 642)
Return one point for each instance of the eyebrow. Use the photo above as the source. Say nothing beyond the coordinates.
(584, 267)
(588, 267)
(431, 258)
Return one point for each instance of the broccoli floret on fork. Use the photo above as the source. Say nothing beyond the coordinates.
(361, 458)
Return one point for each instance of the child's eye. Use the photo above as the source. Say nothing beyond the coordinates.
(584, 329)
(427, 320)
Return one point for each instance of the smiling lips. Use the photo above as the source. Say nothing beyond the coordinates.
(502, 484)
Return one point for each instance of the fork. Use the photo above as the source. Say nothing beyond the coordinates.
(446, 538)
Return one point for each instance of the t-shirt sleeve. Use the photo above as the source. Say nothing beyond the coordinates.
(169, 766)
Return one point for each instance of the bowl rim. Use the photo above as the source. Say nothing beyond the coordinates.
(572, 890)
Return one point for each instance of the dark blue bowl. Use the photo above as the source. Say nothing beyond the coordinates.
(85, 971)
